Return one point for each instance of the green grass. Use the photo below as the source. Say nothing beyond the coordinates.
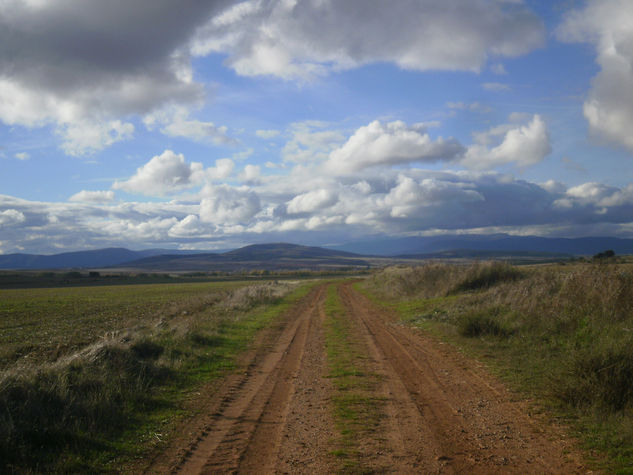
(357, 410)
(119, 397)
(40, 325)
(562, 335)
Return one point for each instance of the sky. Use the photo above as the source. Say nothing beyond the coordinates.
(215, 124)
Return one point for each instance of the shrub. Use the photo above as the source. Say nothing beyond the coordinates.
(480, 276)
(482, 323)
(599, 376)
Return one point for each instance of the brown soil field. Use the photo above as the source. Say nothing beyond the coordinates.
(442, 412)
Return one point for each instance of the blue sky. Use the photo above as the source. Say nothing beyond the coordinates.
(208, 125)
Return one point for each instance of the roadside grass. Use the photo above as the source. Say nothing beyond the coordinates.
(560, 334)
(115, 399)
(357, 410)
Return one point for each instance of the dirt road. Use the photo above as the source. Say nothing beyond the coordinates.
(442, 412)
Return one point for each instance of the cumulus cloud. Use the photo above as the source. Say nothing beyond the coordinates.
(310, 37)
(608, 25)
(86, 196)
(223, 204)
(9, 217)
(596, 195)
(46, 79)
(410, 197)
(222, 170)
(391, 202)
(89, 137)
(22, 156)
(310, 142)
(190, 226)
(311, 201)
(390, 144)
(251, 174)
(521, 145)
(163, 174)
(174, 121)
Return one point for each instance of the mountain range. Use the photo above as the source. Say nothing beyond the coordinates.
(292, 256)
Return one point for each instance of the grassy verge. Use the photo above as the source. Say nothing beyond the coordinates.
(98, 408)
(563, 335)
(357, 410)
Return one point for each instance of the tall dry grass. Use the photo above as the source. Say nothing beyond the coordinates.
(579, 317)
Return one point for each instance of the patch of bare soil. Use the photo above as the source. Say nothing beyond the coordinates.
(442, 413)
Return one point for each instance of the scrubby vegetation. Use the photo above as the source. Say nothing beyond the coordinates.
(76, 410)
(561, 332)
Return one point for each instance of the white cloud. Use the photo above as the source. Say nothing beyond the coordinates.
(22, 156)
(596, 195)
(608, 24)
(471, 107)
(310, 143)
(521, 145)
(222, 170)
(498, 68)
(82, 66)
(223, 205)
(495, 86)
(154, 229)
(175, 122)
(293, 39)
(267, 134)
(311, 201)
(86, 196)
(251, 173)
(163, 174)
(190, 226)
(83, 138)
(390, 144)
(410, 197)
(392, 202)
(10, 217)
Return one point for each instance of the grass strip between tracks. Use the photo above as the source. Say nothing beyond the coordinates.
(357, 410)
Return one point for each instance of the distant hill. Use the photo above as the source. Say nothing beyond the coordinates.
(495, 243)
(276, 256)
(80, 259)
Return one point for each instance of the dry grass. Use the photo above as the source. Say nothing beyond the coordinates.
(562, 332)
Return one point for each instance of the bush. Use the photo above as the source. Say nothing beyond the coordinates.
(481, 276)
(598, 376)
(480, 324)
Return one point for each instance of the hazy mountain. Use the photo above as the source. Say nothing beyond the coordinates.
(293, 256)
(258, 256)
(80, 259)
(497, 242)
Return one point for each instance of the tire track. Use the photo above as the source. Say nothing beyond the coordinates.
(250, 406)
(468, 423)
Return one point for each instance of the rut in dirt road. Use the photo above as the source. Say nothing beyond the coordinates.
(445, 415)
(439, 411)
(249, 432)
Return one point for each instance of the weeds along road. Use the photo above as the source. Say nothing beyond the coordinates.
(431, 409)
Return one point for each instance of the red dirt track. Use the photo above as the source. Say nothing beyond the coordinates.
(443, 413)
